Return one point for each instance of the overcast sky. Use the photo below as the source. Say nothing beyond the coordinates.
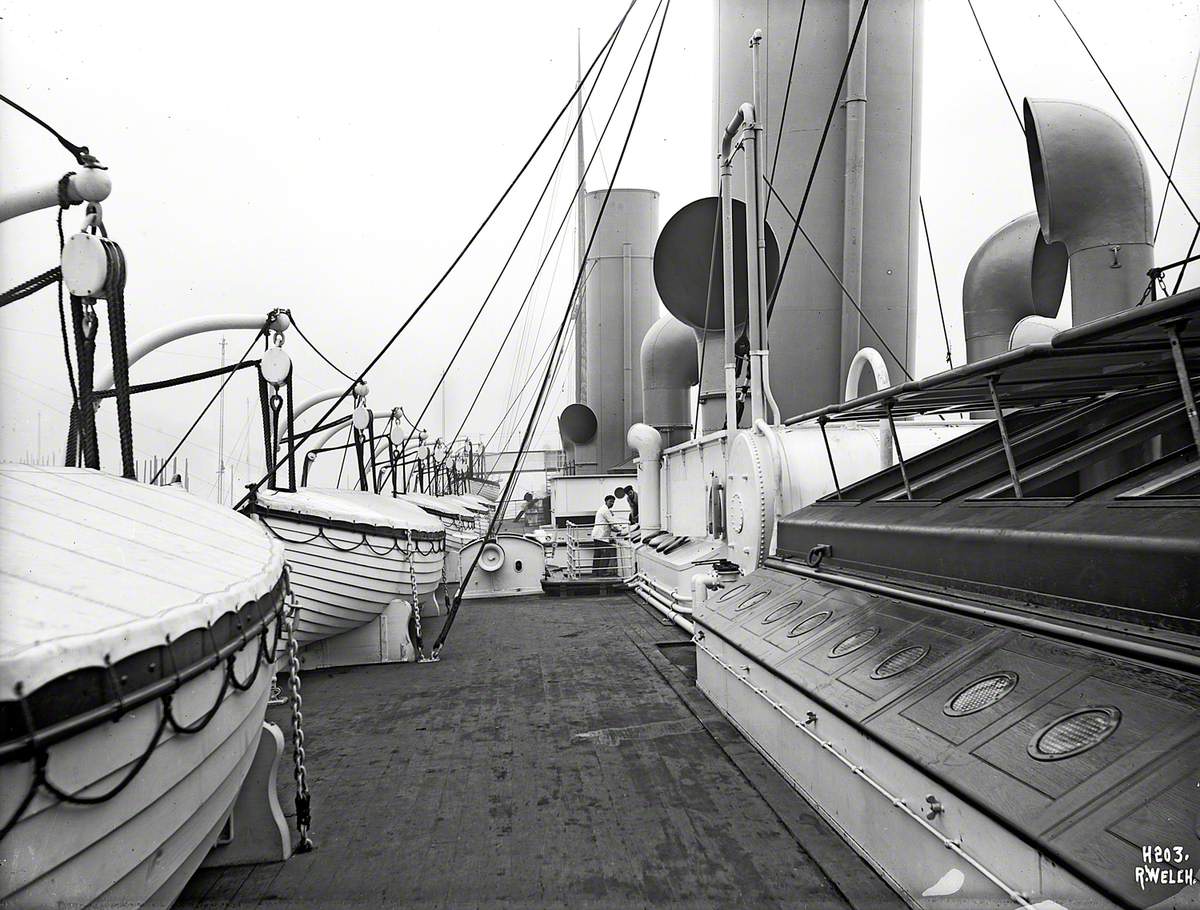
(333, 158)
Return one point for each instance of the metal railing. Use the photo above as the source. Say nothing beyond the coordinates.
(611, 557)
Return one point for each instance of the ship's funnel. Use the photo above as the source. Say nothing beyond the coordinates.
(688, 270)
(669, 370)
(1092, 190)
(1014, 274)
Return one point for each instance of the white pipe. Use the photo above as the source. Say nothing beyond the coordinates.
(756, 243)
(216, 323)
(91, 184)
(871, 357)
(658, 602)
(779, 463)
(702, 583)
(725, 185)
(647, 442)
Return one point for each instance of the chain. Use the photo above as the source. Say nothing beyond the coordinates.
(303, 805)
(411, 550)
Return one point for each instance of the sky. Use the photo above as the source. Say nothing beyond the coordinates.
(334, 159)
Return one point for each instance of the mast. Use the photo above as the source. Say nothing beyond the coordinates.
(581, 390)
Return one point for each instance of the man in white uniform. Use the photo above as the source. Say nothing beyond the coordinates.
(604, 554)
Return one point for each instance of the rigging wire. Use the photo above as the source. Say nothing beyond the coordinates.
(1178, 140)
(200, 416)
(567, 214)
(996, 67)
(79, 152)
(470, 240)
(837, 278)
(812, 174)
(936, 289)
(787, 94)
(517, 243)
(533, 419)
(1112, 88)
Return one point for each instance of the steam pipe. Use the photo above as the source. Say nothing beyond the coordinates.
(1092, 190)
(277, 321)
(91, 184)
(725, 186)
(872, 358)
(855, 185)
(756, 242)
(647, 442)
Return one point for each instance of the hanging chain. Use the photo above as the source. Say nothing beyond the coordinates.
(411, 552)
(303, 801)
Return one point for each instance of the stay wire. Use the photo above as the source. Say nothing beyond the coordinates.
(937, 291)
(567, 214)
(812, 174)
(1178, 141)
(533, 418)
(466, 247)
(200, 416)
(521, 236)
(838, 279)
(787, 94)
(1120, 101)
(996, 67)
(79, 152)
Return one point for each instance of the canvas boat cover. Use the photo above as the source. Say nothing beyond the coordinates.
(475, 503)
(438, 505)
(353, 506)
(94, 565)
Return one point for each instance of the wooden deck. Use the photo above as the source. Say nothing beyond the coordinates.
(555, 757)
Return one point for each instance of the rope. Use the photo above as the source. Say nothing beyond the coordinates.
(268, 440)
(533, 418)
(936, 289)
(79, 152)
(996, 67)
(200, 416)
(474, 236)
(84, 320)
(32, 286)
(316, 350)
(178, 380)
(1112, 88)
(812, 174)
(115, 293)
(838, 279)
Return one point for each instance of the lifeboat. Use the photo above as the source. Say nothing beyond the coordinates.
(458, 520)
(351, 554)
(137, 628)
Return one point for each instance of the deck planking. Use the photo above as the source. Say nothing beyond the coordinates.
(547, 760)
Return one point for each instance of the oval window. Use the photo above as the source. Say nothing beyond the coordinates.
(808, 623)
(1074, 733)
(983, 693)
(781, 612)
(859, 639)
(732, 593)
(752, 601)
(899, 661)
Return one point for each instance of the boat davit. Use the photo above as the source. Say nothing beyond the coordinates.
(137, 621)
(351, 553)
